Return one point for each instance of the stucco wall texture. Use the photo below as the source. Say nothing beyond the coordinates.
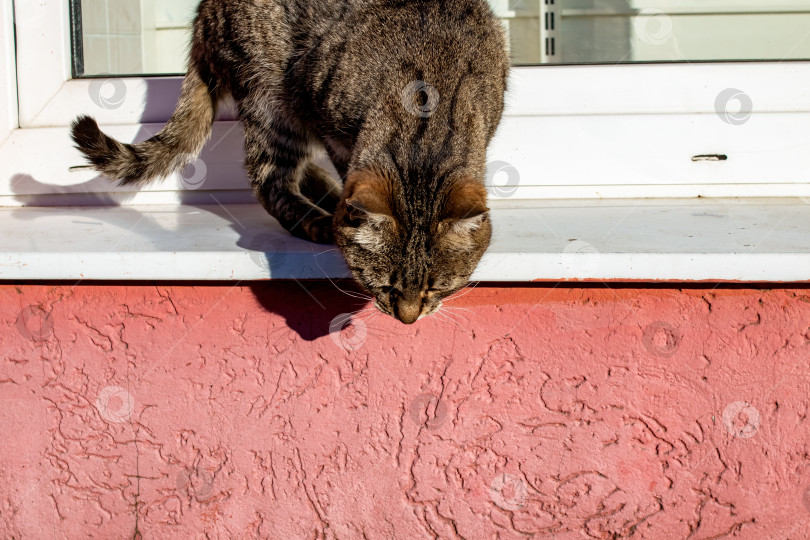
(232, 411)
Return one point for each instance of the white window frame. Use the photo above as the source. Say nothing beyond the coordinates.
(569, 131)
(8, 75)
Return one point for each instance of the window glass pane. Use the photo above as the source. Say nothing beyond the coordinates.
(617, 31)
(151, 36)
(131, 37)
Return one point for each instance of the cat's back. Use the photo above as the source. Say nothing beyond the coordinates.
(297, 18)
(438, 17)
(328, 58)
(429, 32)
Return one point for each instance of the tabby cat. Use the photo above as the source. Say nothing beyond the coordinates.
(403, 95)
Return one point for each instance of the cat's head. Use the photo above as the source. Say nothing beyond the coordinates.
(411, 256)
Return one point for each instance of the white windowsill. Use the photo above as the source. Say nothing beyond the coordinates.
(746, 240)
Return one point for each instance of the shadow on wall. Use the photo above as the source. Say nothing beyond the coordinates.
(308, 307)
(312, 308)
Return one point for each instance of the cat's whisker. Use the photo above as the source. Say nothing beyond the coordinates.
(456, 308)
(456, 317)
(355, 295)
(455, 312)
(446, 318)
(362, 311)
(463, 292)
(450, 315)
(467, 286)
(370, 310)
(369, 318)
(352, 294)
(324, 252)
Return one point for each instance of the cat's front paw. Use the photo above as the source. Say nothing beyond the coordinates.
(318, 230)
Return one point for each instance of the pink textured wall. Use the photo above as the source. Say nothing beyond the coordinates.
(593, 412)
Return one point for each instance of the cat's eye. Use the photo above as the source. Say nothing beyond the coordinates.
(393, 291)
(436, 285)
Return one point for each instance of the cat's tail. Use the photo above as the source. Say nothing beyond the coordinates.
(172, 148)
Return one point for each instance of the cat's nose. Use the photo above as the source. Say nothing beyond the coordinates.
(408, 311)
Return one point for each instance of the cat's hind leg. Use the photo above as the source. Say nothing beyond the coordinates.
(277, 159)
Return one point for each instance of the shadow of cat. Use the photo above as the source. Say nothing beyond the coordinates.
(311, 304)
(302, 294)
(298, 291)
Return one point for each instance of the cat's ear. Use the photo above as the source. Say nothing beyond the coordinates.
(368, 195)
(465, 207)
